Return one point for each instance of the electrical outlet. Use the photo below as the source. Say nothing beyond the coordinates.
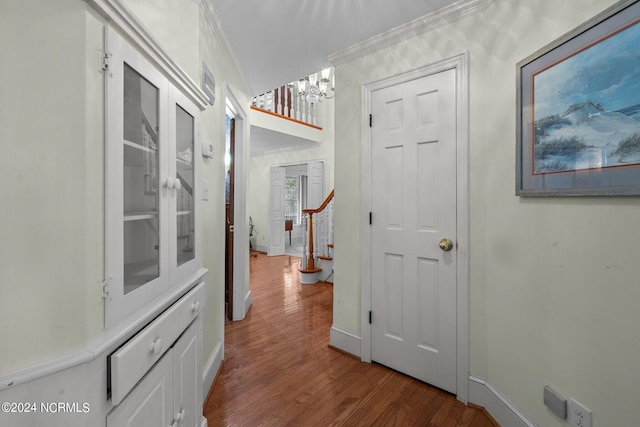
(579, 415)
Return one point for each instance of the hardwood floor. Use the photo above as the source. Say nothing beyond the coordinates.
(279, 369)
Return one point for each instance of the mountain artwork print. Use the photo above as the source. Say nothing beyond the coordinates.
(587, 108)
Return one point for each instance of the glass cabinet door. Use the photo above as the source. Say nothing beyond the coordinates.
(141, 191)
(185, 225)
(150, 186)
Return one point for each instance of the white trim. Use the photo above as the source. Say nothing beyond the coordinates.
(108, 341)
(247, 303)
(421, 25)
(211, 368)
(345, 341)
(460, 63)
(483, 393)
(213, 19)
(240, 218)
(120, 17)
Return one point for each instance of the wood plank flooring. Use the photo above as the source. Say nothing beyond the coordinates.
(279, 369)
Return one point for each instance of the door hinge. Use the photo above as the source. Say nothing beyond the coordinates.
(370, 317)
(105, 288)
(370, 218)
(370, 120)
(106, 63)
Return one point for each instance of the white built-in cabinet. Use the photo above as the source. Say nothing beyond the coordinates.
(169, 395)
(151, 237)
(152, 247)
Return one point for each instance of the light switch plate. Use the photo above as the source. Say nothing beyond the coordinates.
(208, 150)
(205, 189)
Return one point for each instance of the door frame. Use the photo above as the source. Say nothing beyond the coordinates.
(241, 297)
(460, 63)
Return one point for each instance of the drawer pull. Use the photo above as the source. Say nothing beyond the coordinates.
(195, 306)
(156, 346)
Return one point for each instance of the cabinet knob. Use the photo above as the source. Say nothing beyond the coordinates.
(195, 306)
(177, 184)
(156, 346)
(169, 182)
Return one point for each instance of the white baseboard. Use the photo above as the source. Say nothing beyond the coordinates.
(345, 341)
(211, 369)
(247, 303)
(483, 393)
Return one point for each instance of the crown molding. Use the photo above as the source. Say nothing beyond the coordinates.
(122, 18)
(421, 25)
(210, 12)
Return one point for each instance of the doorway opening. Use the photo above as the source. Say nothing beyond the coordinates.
(297, 186)
(229, 157)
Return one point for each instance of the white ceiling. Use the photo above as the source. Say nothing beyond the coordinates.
(266, 141)
(279, 41)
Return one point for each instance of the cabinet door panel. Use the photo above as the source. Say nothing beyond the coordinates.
(150, 404)
(183, 131)
(137, 245)
(187, 377)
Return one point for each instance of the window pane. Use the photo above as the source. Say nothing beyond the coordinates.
(140, 179)
(291, 206)
(184, 172)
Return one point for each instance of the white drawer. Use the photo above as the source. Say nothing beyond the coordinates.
(132, 361)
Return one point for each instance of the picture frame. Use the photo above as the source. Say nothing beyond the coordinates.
(578, 110)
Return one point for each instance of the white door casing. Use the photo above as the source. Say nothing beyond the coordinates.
(403, 247)
(241, 291)
(276, 211)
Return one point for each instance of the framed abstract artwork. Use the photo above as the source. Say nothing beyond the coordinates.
(578, 110)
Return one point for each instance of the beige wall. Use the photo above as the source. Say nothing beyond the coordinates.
(51, 164)
(553, 280)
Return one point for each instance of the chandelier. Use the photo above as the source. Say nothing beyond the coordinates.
(315, 87)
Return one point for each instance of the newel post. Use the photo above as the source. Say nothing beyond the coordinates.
(310, 261)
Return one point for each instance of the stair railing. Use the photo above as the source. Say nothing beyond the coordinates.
(284, 102)
(320, 219)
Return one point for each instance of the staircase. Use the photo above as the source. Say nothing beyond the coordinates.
(317, 261)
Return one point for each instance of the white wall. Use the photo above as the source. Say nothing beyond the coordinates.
(553, 280)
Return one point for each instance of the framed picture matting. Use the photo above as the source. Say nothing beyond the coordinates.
(578, 110)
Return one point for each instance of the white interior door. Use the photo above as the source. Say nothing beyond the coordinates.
(315, 184)
(413, 288)
(276, 212)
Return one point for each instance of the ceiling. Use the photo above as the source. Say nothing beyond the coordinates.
(279, 41)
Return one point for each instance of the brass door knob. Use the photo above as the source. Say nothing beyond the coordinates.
(446, 244)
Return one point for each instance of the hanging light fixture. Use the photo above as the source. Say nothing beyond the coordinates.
(315, 87)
